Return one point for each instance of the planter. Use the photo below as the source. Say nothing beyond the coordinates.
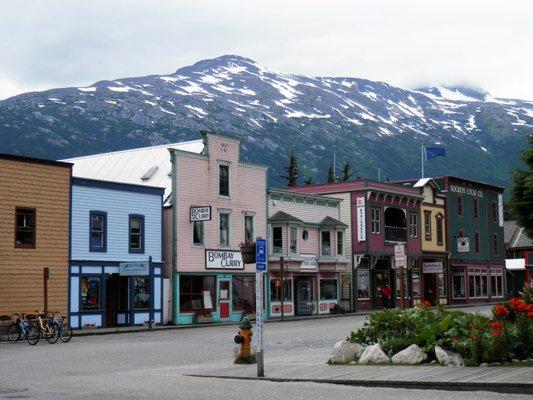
(248, 254)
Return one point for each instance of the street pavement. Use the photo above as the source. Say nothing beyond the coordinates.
(155, 365)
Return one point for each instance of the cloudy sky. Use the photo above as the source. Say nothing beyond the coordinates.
(408, 43)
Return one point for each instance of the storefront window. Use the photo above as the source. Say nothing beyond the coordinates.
(244, 293)
(141, 292)
(363, 285)
(441, 285)
(275, 290)
(458, 280)
(328, 289)
(477, 281)
(193, 293)
(405, 294)
(496, 282)
(415, 282)
(90, 293)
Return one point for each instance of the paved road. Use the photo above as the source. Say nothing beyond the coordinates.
(153, 365)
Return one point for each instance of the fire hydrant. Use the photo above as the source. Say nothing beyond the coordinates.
(244, 338)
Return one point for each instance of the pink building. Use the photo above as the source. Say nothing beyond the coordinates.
(380, 216)
(307, 254)
(218, 210)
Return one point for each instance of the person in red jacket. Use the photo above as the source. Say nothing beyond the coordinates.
(385, 295)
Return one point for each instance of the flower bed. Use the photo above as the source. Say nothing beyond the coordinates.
(504, 337)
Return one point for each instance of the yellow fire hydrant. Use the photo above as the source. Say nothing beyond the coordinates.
(244, 338)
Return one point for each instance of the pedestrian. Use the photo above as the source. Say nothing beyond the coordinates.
(385, 295)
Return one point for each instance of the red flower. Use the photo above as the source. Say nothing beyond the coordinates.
(530, 314)
(425, 303)
(497, 328)
(518, 305)
(500, 310)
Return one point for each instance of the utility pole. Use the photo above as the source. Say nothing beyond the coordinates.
(46, 276)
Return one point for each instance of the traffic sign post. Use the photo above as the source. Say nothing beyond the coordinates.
(260, 268)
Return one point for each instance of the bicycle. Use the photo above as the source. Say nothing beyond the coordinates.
(47, 327)
(65, 330)
(23, 325)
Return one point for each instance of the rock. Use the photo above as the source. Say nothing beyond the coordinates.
(358, 349)
(433, 362)
(446, 357)
(515, 360)
(411, 355)
(525, 361)
(483, 365)
(374, 355)
(353, 362)
(342, 352)
(494, 364)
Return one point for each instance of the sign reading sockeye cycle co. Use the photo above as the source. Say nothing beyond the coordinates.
(201, 213)
(223, 259)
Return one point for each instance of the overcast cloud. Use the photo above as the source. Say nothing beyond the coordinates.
(46, 44)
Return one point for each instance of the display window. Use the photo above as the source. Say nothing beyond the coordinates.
(458, 282)
(328, 289)
(275, 290)
(363, 284)
(197, 293)
(243, 289)
(415, 282)
(90, 293)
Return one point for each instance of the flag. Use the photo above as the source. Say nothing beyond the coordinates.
(432, 152)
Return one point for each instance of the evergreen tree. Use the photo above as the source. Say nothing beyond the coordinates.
(309, 180)
(522, 191)
(346, 173)
(331, 175)
(292, 170)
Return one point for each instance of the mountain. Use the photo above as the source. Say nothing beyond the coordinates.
(370, 124)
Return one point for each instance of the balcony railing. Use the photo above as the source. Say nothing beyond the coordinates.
(395, 234)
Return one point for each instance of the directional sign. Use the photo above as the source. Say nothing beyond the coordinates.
(260, 267)
(260, 250)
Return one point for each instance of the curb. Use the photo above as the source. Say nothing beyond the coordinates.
(499, 387)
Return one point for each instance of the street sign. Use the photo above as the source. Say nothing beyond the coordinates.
(260, 250)
(260, 267)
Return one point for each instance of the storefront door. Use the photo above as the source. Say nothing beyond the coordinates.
(380, 279)
(304, 296)
(117, 300)
(224, 291)
(430, 288)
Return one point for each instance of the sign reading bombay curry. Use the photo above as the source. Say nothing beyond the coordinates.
(200, 213)
(223, 259)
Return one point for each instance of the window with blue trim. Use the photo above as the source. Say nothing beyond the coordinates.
(136, 233)
(98, 231)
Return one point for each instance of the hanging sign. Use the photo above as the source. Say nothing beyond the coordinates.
(361, 219)
(200, 213)
(463, 244)
(223, 259)
(399, 256)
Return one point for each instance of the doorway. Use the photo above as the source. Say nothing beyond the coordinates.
(379, 280)
(430, 288)
(117, 300)
(224, 298)
(304, 296)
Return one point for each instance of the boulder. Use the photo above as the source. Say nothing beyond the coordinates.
(446, 357)
(411, 355)
(342, 352)
(374, 355)
(358, 349)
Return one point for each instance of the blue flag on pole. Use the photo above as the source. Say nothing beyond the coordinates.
(432, 152)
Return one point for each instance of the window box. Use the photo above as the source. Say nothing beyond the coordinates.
(248, 252)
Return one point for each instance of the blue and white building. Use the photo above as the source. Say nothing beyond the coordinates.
(116, 267)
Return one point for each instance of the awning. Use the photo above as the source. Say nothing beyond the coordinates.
(515, 264)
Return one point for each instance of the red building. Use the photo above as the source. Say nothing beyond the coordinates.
(379, 216)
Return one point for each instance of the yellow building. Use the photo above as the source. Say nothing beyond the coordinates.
(34, 234)
(429, 279)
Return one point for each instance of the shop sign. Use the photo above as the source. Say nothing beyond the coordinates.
(200, 213)
(223, 259)
(134, 268)
(309, 262)
(463, 190)
(361, 219)
(463, 244)
(500, 209)
(432, 267)
(399, 255)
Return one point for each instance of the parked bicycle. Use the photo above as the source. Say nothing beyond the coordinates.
(65, 331)
(24, 324)
(47, 327)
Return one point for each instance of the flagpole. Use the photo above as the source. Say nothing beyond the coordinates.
(422, 160)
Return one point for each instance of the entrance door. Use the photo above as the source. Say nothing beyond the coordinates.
(224, 298)
(380, 279)
(304, 296)
(430, 288)
(117, 300)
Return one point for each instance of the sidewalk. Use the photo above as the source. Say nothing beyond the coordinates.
(518, 380)
(146, 328)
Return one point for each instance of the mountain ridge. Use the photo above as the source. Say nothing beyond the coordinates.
(370, 124)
